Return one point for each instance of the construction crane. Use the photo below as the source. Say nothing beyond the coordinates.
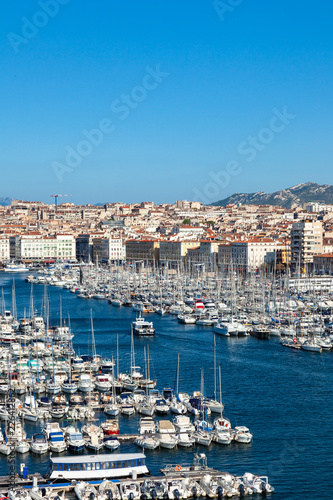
(56, 196)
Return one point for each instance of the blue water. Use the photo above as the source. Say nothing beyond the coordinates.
(283, 396)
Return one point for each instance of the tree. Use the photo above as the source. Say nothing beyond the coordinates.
(187, 221)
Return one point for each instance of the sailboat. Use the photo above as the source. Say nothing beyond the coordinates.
(212, 403)
(176, 406)
(222, 427)
(68, 386)
(131, 382)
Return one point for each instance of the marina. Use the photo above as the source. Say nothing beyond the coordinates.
(128, 379)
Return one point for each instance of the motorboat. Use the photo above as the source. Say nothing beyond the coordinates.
(142, 328)
(112, 409)
(75, 441)
(111, 443)
(311, 345)
(85, 491)
(222, 436)
(183, 424)
(102, 383)
(147, 425)
(85, 383)
(39, 444)
(147, 441)
(161, 407)
(110, 427)
(242, 435)
(185, 440)
(177, 407)
(109, 490)
(258, 484)
(166, 434)
(130, 490)
(202, 437)
(95, 443)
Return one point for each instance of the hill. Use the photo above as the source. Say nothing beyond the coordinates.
(299, 194)
(5, 201)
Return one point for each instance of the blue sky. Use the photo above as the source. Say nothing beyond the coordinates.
(223, 74)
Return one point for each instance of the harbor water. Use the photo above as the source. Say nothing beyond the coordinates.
(283, 396)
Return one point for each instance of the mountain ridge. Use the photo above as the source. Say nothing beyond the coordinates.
(295, 195)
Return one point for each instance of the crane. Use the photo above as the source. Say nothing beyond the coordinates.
(56, 196)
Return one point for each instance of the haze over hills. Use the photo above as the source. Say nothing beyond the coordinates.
(5, 201)
(299, 194)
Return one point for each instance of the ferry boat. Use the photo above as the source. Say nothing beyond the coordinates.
(89, 467)
(142, 327)
(16, 268)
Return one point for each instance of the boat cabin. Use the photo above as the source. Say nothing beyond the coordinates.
(98, 466)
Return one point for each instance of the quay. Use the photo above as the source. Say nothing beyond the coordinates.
(127, 472)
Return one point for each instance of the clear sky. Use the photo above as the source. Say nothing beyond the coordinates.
(191, 98)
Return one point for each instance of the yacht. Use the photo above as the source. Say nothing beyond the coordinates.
(75, 441)
(102, 383)
(85, 383)
(39, 444)
(142, 327)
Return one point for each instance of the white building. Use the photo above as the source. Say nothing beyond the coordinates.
(306, 241)
(113, 249)
(4, 249)
(248, 255)
(34, 246)
(315, 207)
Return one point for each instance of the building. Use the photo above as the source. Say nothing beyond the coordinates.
(224, 256)
(142, 250)
(34, 246)
(113, 249)
(84, 248)
(187, 230)
(175, 252)
(323, 263)
(4, 249)
(208, 254)
(306, 241)
(247, 255)
(315, 207)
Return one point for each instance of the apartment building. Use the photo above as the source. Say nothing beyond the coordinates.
(175, 252)
(112, 249)
(144, 250)
(323, 263)
(34, 246)
(4, 249)
(306, 241)
(247, 255)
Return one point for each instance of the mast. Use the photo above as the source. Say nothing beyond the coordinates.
(177, 382)
(93, 346)
(220, 383)
(14, 310)
(3, 306)
(117, 357)
(214, 367)
(32, 301)
(60, 312)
